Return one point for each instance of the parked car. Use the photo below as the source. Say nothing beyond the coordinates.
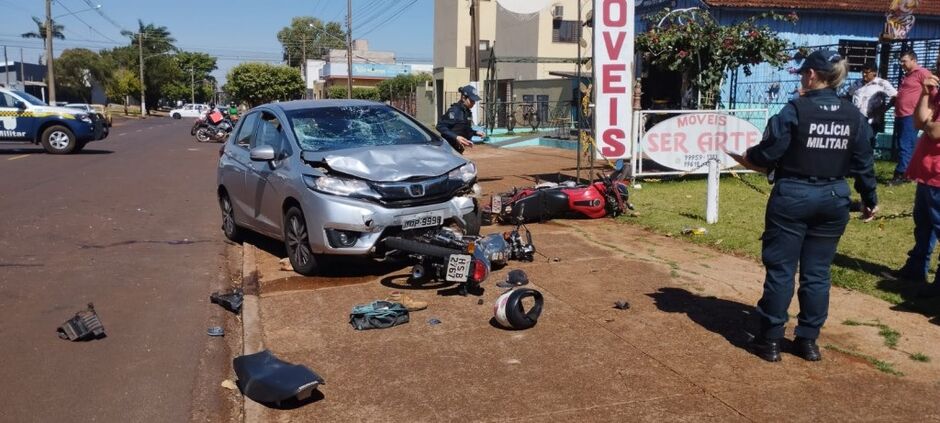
(335, 177)
(103, 113)
(189, 110)
(60, 130)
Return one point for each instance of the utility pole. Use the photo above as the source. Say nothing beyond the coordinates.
(348, 48)
(22, 77)
(475, 41)
(578, 94)
(6, 66)
(303, 65)
(143, 87)
(50, 75)
(192, 77)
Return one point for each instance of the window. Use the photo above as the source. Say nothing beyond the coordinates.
(858, 53)
(271, 132)
(246, 130)
(336, 128)
(6, 100)
(565, 31)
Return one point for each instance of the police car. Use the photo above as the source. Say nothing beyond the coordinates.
(60, 130)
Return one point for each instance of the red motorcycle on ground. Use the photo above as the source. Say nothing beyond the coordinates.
(608, 196)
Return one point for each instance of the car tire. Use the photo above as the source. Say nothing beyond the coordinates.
(231, 229)
(472, 221)
(58, 139)
(297, 243)
(177, 116)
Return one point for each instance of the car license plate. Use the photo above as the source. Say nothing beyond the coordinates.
(458, 267)
(421, 220)
(497, 205)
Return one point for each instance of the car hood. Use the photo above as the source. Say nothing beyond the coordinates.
(390, 163)
(59, 110)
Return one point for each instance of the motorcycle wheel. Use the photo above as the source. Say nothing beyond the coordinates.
(202, 135)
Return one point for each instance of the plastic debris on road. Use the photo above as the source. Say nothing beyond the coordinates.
(216, 331)
(229, 300)
(621, 305)
(84, 326)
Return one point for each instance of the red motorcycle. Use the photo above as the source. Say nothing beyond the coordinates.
(608, 196)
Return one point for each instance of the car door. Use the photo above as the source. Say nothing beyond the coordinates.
(268, 180)
(236, 165)
(14, 123)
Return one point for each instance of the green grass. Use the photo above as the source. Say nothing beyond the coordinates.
(923, 358)
(890, 335)
(865, 251)
(878, 364)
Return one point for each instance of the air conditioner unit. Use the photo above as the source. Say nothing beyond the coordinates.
(558, 11)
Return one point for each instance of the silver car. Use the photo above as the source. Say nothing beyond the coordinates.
(335, 177)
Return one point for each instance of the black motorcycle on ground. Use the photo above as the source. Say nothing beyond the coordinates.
(213, 127)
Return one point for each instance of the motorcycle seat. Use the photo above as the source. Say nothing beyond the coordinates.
(267, 379)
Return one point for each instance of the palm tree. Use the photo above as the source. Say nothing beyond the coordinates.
(41, 30)
(157, 39)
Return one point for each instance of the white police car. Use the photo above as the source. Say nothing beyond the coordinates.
(60, 130)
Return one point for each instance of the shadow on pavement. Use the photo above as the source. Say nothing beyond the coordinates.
(730, 319)
(403, 282)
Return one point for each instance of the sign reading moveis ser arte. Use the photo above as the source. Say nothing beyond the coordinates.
(687, 141)
(613, 76)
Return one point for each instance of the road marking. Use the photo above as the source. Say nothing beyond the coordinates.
(140, 130)
(122, 134)
(18, 157)
(192, 149)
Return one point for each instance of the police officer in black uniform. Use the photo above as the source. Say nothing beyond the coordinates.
(809, 148)
(456, 126)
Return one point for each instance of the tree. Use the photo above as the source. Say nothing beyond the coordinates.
(401, 86)
(358, 93)
(123, 83)
(259, 83)
(41, 30)
(158, 70)
(76, 70)
(195, 69)
(690, 41)
(318, 37)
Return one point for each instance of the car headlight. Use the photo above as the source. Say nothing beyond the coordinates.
(339, 186)
(84, 118)
(465, 173)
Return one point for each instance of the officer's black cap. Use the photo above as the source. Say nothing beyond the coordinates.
(820, 60)
(471, 92)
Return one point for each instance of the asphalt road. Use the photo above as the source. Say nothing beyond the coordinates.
(132, 225)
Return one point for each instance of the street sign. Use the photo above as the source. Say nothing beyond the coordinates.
(687, 141)
(613, 75)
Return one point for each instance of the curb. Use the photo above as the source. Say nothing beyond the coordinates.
(252, 341)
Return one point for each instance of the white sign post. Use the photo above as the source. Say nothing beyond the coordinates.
(613, 77)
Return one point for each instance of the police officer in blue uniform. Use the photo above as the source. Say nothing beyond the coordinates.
(809, 148)
(456, 126)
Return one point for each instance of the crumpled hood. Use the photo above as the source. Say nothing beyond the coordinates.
(391, 163)
(59, 110)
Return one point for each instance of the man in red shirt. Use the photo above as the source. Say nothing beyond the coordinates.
(908, 95)
(925, 170)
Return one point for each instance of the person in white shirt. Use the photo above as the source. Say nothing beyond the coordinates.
(873, 96)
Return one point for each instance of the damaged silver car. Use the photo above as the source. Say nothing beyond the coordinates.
(336, 177)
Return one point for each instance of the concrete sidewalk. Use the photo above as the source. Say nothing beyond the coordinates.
(676, 355)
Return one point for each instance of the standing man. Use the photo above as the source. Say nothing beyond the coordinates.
(908, 94)
(811, 145)
(456, 126)
(873, 96)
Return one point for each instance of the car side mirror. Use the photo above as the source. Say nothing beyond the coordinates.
(19, 105)
(262, 153)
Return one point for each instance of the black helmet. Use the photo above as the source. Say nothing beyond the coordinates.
(470, 91)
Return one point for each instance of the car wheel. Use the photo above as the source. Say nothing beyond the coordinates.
(229, 227)
(297, 242)
(472, 221)
(177, 116)
(58, 140)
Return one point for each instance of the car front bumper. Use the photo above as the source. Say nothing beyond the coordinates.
(369, 220)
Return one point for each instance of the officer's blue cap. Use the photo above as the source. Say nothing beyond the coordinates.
(470, 92)
(820, 60)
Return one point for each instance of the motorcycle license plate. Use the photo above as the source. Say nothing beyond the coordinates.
(497, 204)
(422, 220)
(458, 268)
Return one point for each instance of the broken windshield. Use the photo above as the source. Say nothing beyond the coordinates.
(336, 128)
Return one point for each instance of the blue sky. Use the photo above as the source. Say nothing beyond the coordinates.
(234, 30)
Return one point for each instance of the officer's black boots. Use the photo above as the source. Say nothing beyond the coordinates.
(807, 349)
(768, 349)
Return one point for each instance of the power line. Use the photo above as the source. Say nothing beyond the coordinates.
(103, 15)
(71, 13)
(396, 15)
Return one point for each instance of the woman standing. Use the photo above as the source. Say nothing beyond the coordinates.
(809, 148)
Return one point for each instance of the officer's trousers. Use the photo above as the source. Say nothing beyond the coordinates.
(802, 227)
